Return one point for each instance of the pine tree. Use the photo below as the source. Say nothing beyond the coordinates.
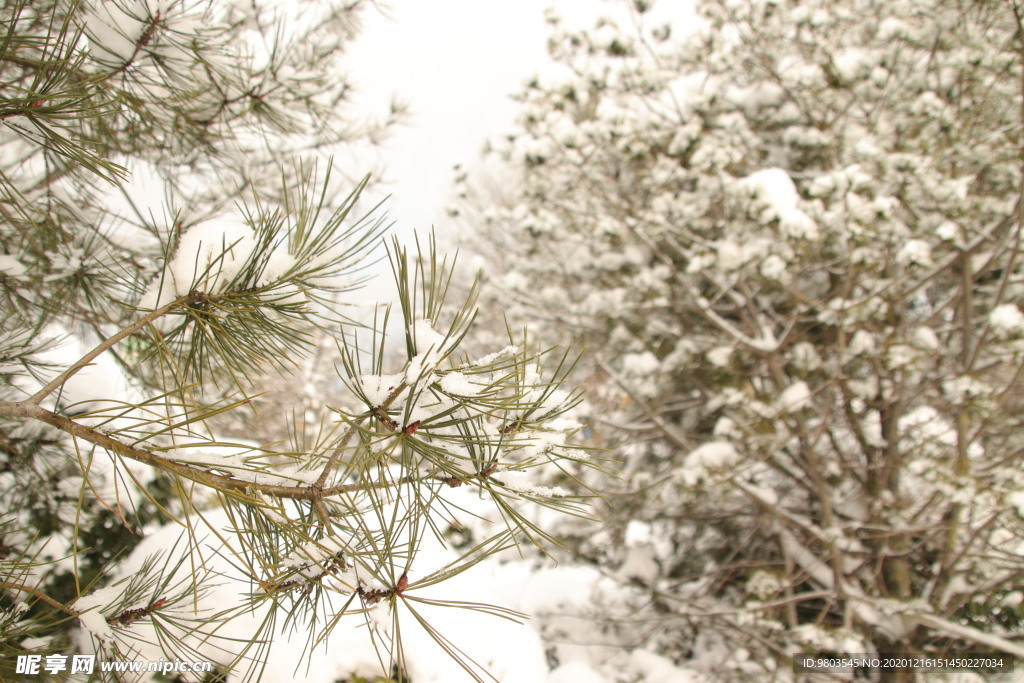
(790, 242)
(170, 225)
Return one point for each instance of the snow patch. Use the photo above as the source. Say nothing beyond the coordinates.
(712, 455)
(775, 190)
(91, 618)
(719, 356)
(114, 29)
(210, 256)
(377, 388)
(914, 253)
(1006, 320)
(773, 267)
(10, 266)
(925, 338)
(862, 343)
(640, 364)
(510, 350)
(433, 348)
(458, 384)
(795, 397)
(521, 482)
(1016, 500)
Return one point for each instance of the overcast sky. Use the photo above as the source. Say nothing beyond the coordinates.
(455, 62)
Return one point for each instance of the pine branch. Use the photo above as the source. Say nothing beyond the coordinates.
(109, 343)
(39, 595)
(213, 480)
(332, 461)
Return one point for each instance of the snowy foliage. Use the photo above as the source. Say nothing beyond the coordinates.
(173, 245)
(790, 241)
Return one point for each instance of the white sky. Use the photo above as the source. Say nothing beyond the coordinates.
(456, 62)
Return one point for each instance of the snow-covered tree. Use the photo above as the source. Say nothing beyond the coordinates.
(789, 237)
(170, 233)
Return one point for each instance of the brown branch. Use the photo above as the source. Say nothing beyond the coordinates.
(316, 493)
(39, 595)
(143, 41)
(377, 411)
(21, 111)
(198, 475)
(105, 345)
(123, 619)
(127, 617)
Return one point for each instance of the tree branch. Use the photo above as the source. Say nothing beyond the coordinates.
(198, 475)
(395, 393)
(967, 633)
(39, 595)
(105, 345)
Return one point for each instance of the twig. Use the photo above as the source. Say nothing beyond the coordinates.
(967, 633)
(39, 595)
(392, 397)
(201, 476)
(105, 345)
